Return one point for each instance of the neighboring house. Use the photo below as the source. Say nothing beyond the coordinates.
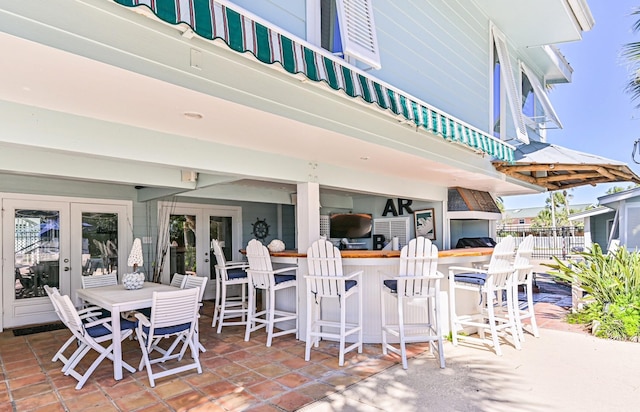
(615, 221)
(182, 121)
(523, 218)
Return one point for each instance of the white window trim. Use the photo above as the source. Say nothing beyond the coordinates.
(511, 87)
(357, 29)
(542, 96)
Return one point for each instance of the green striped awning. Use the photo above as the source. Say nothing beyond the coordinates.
(214, 20)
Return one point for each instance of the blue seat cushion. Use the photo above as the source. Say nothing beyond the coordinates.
(471, 278)
(100, 330)
(283, 278)
(391, 284)
(146, 312)
(169, 330)
(348, 284)
(236, 274)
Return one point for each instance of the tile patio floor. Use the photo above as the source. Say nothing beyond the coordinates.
(236, 376)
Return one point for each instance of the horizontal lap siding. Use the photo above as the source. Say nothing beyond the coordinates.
(439, 52)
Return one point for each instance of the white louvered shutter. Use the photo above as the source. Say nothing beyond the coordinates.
(509, 81)
(542, 96)
(358, 31)
(391, 227)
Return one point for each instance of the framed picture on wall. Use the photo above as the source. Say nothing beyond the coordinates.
(425, 223)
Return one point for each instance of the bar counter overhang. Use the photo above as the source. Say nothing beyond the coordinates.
(376, 266)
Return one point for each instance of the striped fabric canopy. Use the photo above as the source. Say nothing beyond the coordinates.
(214, 20)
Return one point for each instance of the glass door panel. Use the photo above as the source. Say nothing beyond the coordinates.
(37, 252)
(182, 244)
(99, 243)
(220, 228)
(35, 242)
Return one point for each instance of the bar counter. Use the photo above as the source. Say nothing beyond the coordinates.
(378, 265)
(371, 254)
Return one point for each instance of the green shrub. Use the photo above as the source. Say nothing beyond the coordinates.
(612, 283)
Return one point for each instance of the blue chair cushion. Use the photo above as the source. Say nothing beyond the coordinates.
(146, 312)
(283, 278)
(391, 284)
(169, 330)
(348, 284)
(100, 330)
(236, 274)
(471, 278)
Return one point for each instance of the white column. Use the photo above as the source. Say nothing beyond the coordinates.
(307, 215)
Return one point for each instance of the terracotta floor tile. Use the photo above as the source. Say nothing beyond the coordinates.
(170, 389)
(247, 379)
(315, 370)
(6, 407)
(21, 392)
(202, 379)
(294, 363)
(272, 370)
(266, 390)
(135, 401)
(157, 407)
(316, 390)
(187, 400)
(231, 369)
(292, 401)
(91, 399)
(237, 401)
(262, 407)
(340, 382)
(220, 388)
(292, 380)
(122, 389)
(36, 401)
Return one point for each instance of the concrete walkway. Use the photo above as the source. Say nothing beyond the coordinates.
(563, 370)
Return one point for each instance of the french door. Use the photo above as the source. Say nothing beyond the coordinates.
(190, 228)
(54, 241)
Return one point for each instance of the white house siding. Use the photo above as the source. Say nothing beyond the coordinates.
(287, 14)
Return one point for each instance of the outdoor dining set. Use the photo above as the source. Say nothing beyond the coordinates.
(164, 319)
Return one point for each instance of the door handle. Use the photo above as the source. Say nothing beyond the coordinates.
(206, 260)
(67, 268)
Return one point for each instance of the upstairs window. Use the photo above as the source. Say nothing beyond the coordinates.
(504, 84)
(345, 28)
(536, 105)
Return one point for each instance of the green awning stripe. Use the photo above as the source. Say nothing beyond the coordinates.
(349, 86)
(288, 57)
(211, 20)
(263, 43)
(331, 73)
(366, 90)
(202, 19)
(310, 64)
(235, 38)
(167, 10)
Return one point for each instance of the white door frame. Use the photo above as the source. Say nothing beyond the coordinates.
(41, 307)
(202, 213)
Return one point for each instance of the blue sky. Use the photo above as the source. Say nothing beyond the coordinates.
(597, 114)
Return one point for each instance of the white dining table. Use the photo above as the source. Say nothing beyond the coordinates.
(117, 299)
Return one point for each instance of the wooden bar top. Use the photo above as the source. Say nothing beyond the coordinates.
(359, 254)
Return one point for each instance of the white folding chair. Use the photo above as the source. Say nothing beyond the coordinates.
(173, 315)
(416, 284)
(229, 275)
(196, 282)
(89, 335)
(92, 313)
(327, 281)
(524, 277)
(490, 284)
(263, 276)
(177, 280)
(95, 281)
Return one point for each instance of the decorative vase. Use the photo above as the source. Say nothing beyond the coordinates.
(132, 281)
